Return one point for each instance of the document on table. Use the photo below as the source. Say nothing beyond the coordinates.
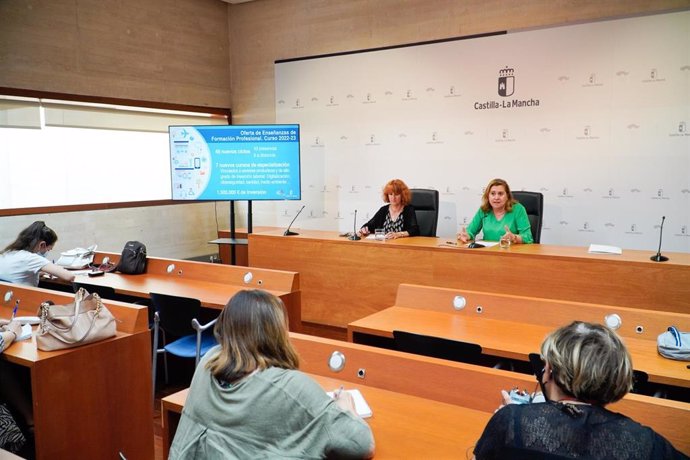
(603, 249)
(26, 332)
(361, 406)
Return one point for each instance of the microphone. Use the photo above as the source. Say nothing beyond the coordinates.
(354, 236)
(288, 232)
(658, 257)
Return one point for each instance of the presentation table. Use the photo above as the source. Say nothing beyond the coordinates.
(343, 280)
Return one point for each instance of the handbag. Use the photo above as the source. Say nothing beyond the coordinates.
(674, 344)
(86, 320)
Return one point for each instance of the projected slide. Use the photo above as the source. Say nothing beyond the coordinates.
(240, 162)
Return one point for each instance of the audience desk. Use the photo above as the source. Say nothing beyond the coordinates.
(431, 407)
(514, 326)
(212, 284)
(344, 280)
(92, 401)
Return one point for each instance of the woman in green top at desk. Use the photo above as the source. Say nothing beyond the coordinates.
(500, 217)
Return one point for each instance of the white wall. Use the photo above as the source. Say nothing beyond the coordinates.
(608, 144)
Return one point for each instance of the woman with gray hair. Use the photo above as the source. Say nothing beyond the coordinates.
(586, 367)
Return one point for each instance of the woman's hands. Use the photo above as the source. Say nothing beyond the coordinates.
(364, 231)
(463, 235)
(510, 236)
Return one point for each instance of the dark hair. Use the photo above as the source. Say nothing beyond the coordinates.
(253, 334)
(31, 236)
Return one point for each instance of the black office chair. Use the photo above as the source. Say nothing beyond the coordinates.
(425, 203)
(437, 347)
(534, 204)
(177, 317)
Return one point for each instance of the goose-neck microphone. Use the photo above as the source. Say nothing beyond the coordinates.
(658, 257)
(288, 232)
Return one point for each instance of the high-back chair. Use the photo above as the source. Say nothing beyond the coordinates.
(425, 203)
(177, 316)
(534, 205)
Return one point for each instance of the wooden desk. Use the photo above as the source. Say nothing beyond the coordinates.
(401, 424)
(93, 401)
(212, 284)
(442, 419)
(343, 280)
(241, 250)
(515, 326)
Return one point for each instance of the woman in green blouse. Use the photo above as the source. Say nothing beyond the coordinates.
(500, 217)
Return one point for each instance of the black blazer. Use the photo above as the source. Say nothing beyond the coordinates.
(409, 220)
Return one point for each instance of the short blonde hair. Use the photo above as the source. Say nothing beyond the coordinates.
(397, 187)
(253, 334)
(589, 362)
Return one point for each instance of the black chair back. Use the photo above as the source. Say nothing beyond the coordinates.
(425, 204)
(176, 313)
(437, 347)
(534, 204)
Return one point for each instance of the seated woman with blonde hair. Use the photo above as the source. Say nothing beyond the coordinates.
(397, 218)
(500, 217)
(586, 367)
(248, 400)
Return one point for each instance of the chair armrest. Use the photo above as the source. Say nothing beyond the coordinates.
(202, 327)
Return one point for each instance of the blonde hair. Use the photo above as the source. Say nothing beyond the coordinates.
(397, 187)
(253, 334)
(589, 362)
(486, 207)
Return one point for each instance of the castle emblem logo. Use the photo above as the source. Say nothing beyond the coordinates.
(506, 82)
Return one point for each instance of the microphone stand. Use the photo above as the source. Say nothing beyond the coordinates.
(658, 257)
(288, 232)
(354, 236)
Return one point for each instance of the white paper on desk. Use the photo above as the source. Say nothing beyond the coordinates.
(603, 249)
(361, 406)
(487, 244)
(28, 320)
(26, 332)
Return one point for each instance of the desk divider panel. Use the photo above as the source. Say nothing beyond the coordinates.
(636, 323)
(466, 385)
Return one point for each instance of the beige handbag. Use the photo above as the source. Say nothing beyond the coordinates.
(83, 321)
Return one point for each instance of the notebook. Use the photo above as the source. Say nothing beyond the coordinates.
(361, 406)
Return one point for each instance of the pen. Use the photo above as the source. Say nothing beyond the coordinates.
(338, 393)
(14, 310)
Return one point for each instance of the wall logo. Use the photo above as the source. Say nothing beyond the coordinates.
(564, 193)
(633, 230)
(681, 129)
(506, 88)
(659, 195)
(586, 227)
(592, 81)
(506, 82)
(371, 140)
(434, 138)
(318, 142)
(332, 102)
(409, 96)
(369, 99)
(611, 195)
(452, 92)
(653, 76)
(683, 231)
(298, 104)
(505, 136)
(587, 134)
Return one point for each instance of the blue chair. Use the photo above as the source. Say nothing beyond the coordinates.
(177, 316)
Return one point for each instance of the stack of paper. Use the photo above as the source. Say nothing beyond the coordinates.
(603, 249)
(361, 406)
